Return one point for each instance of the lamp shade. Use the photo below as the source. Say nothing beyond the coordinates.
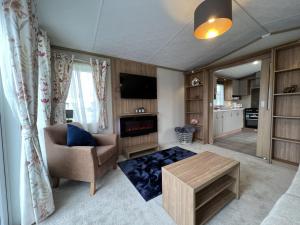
(212, 18)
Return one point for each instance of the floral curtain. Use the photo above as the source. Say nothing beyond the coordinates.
(44, 66)
(99, 75)
(19, 69)
(63, 65)
(44, 92)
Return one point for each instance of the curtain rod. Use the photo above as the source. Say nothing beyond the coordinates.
(83, 61)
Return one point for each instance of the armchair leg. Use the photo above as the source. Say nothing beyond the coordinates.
(115, 166)
(55, 182)
(92, 188)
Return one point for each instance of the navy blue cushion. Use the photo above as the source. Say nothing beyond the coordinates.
(79, 137)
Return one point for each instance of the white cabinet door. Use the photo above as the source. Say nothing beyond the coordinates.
(241, 119)
(237, 118)
(218, 123)
(215, 122)
(227, 121)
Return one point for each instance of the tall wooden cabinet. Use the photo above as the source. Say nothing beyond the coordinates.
(286, 106)
(196, 103)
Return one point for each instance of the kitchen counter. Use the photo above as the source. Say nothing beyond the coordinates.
(227, 121)
(228, 109)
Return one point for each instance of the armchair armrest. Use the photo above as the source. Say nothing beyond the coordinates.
(77, 162)
(105, 139)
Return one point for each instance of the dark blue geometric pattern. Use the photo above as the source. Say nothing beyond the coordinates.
(145, 172)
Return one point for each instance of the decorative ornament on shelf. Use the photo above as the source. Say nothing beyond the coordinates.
(290, 89)
(194, 121)
(196, 82)
(140, 110)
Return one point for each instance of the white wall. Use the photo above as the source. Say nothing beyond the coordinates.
(170, 90)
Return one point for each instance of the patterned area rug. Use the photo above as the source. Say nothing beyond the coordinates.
(145, 172)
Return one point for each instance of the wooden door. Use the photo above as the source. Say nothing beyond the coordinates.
(265, 112)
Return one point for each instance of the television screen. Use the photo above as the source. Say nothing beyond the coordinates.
(137, 87)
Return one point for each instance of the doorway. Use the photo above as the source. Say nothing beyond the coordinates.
(236, 107)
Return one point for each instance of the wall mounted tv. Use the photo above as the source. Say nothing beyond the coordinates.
(137, 87)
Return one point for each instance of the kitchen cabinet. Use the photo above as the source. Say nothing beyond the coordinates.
(244, 89)
(218, 123)
(228, 90)
(235, 87)
(227, 121)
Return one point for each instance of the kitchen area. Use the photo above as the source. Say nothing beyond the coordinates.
(236, 103)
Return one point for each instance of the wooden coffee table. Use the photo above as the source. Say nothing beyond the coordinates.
(196, 188)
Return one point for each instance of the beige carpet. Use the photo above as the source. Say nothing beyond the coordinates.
(117, 202)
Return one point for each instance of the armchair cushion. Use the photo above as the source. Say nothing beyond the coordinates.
(79, 137)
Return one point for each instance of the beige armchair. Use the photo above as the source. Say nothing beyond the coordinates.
(82, 163)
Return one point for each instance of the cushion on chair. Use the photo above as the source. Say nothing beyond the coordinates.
(79, 137)
(104, 153)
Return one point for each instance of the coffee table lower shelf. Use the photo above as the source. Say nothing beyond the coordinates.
(208, 210)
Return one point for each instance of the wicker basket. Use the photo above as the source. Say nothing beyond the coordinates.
(185, 134)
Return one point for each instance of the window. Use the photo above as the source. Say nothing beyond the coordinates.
(219, 95)
(82, 98)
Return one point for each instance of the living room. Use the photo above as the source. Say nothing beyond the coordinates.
(149, 112)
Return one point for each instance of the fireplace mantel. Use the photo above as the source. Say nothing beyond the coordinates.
(138, 114)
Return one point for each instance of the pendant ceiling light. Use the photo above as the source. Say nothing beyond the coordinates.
(212, 18)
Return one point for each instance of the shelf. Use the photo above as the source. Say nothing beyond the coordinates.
(196, 125)
(286, 140)
(209, 192)
(285, 94)
(287, 70)
(193, 99)
(287, 117)
(138, 114)
(205, 213)
(141, 149)
(200, 85)
(193, 112)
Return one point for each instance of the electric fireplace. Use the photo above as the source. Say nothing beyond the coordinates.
(138, 125)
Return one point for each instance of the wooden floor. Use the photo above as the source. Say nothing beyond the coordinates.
(244, 141)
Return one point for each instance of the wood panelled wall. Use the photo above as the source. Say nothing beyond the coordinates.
(123, 107)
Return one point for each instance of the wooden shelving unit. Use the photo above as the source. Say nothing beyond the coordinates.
(287, 94)
(195, 103)
(286, 106)
(287, 140)
(287, 70)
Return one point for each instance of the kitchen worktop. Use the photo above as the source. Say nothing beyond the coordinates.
(227, 109)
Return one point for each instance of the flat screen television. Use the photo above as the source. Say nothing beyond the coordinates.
(138, 87)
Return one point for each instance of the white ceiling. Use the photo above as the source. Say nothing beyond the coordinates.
(240, 71)
(161, 31)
